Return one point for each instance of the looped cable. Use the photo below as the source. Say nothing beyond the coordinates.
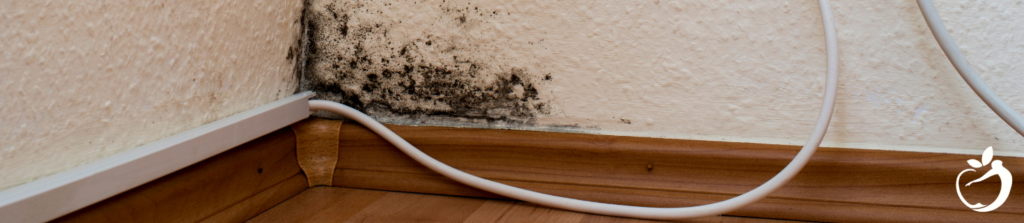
(801, 159)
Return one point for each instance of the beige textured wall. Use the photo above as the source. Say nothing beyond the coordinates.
(81, 80)
(749, 71)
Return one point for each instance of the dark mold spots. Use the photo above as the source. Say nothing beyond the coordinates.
(343, 28)
(291, 53)
(446, 78)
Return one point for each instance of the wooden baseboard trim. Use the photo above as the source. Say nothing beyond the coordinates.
(233, 186)
(62, 193)
(260, 202)
(847, 185)
(317, 149)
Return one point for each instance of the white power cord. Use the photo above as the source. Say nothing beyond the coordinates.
(824, 116)
(958, 60)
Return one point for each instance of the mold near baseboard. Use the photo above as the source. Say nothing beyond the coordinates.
(361, 54)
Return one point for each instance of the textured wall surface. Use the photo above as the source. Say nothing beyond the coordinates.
(750, 71)
(81, 80)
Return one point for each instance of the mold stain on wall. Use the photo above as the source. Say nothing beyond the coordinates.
(404, 70)
(702, 70)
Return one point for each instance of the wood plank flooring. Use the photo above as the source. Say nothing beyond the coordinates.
(336, 204)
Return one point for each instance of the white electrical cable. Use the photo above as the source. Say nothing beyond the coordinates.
(752, 196)
(959, 62)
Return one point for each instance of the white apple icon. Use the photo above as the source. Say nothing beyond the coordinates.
(997, 170)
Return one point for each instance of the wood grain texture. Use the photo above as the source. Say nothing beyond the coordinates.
(231, 186)
(260, 202)
(334, 204)
(321, 204)
(846, 185)
(317, 149)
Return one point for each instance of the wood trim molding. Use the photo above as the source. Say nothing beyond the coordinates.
(317, 149)
(67, 191)
(231, 187)
(847, 185)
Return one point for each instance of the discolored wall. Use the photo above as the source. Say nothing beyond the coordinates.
(748, 71)
(81, 80)
(411, 70)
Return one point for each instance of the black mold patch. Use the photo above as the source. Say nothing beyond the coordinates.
(355, 62)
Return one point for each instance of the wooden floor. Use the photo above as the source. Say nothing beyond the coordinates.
(336, 204)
